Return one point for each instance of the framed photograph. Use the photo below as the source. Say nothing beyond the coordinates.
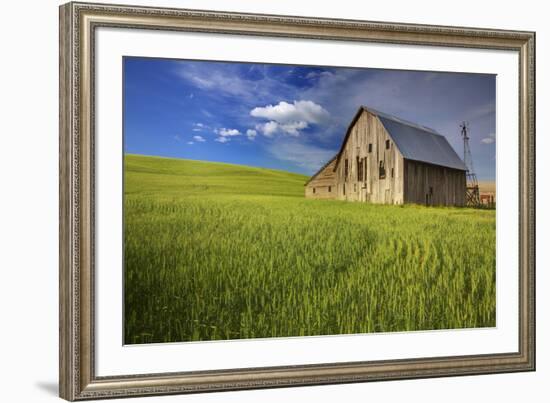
(255, 201)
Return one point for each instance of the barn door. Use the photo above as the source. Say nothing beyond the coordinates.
(430, 196)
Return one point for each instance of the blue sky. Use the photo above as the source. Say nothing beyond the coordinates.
(291, 117)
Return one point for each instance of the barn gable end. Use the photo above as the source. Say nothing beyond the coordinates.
(369, 167)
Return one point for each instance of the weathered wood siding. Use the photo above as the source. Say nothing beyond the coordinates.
(370, 186)
(434, 185)
(323, 185)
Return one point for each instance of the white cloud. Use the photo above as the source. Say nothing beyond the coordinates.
(490, 139)
(222, 140)
(299, 111)
(293, 128)
(199, 127)
(199, 139)
(190, 142)
(251, 134)
(268, 129)
(223, 132)
(306, 156)
(271, 128)
(289, 118)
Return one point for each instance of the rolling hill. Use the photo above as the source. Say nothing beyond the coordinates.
(179, 177)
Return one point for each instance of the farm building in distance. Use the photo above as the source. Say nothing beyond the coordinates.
(384, 159)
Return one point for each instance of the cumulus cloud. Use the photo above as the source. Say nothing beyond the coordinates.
(222, 139)
(223, 132)
(490, 139)
(199, 139)
(289, 118)
(268, 129)
(251, 134)
(299, 111)
(271, 128)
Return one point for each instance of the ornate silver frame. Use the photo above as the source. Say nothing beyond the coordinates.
(78, 22)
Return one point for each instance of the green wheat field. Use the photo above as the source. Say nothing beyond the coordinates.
(217, 251)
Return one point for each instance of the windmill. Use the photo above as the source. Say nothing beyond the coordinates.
(472, 187)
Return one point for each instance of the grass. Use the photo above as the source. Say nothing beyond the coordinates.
(217, 251)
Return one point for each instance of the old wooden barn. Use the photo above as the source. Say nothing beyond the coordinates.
(384, 159)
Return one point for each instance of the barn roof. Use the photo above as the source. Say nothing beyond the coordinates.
(421, 143)
(320, 170)
(415, 142)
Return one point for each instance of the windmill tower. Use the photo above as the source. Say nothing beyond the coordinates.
(472, 187)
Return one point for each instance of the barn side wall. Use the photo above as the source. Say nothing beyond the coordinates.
(434, 185)
(323, 185)
(371, 187)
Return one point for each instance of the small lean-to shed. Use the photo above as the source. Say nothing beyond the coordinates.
(385, 159)
(322, 185)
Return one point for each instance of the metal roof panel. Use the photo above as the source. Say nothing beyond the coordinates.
(420, 143)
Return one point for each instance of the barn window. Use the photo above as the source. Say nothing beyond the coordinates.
(370, 147)
(313, 190)
(344, 188)
(330, 188)
(387, 144)
(365, 165)
(392, 172)
(381, 170)
(346, 169)
(359, 169)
